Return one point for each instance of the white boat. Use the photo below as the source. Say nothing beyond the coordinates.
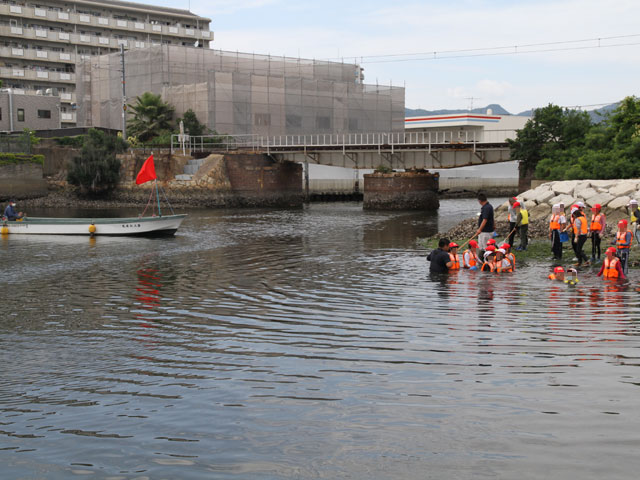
(148, 226)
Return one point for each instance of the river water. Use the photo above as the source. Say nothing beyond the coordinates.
(310, 343)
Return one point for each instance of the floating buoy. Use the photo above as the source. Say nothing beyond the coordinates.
(92, 229)
(4, 230)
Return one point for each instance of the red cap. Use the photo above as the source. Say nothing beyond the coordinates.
(506, 246)
(558, 270)
(611, 250)
(622, 223)
(517, 204)
(597, 206)
(491, 248)
(453, 245)
(473, 244)
(491, 241)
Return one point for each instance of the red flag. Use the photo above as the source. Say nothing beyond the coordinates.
(147, 172)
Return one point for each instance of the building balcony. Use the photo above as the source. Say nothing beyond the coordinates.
(37, 75)
(42, 55)
(68, 117)
(70, 18)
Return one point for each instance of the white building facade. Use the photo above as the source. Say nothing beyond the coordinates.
(42, 41)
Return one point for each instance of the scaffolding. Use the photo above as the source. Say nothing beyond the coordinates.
(238, 93)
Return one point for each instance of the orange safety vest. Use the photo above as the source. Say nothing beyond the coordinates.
(610, 270)
(512, 258)
(472, 259)
(583, 226)
(621, 237)
(554, 223)
(500, 268)
(488, 267)
(552, 276)
(596, 224)
(456, 261)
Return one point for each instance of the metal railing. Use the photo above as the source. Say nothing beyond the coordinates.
(384, 140)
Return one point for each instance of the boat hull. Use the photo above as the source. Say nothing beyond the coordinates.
(145, 226)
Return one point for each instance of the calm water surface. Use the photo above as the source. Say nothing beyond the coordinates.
(308, 344)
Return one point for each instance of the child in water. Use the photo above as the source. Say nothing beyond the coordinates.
(569, 276)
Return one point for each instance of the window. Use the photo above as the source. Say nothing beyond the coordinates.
(44, 113)
(21, 114)
(263, 119)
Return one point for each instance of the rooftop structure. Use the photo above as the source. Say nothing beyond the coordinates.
(238, 93)
(42, 41)
(468, 126)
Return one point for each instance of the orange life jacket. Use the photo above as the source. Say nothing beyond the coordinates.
(554, 223)
(596, 224)
(472, 259)
(512, 258)
(583, 226)
(488, 267)
(621, 237)
(610, 270)
(552, 276)
(500, 268)
(455, 259)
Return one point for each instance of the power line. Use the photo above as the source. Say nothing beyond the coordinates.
(494, 51)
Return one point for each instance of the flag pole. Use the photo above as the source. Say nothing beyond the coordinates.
(158, 197)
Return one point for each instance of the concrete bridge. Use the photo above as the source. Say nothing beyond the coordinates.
(396, 150)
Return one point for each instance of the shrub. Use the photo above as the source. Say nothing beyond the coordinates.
(97, 170)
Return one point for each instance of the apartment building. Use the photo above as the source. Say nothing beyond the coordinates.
(41, 41)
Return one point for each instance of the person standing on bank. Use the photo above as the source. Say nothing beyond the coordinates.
(556, 225)
(597, 228)
(634, 217)
(522, 224)
(439, 258)
(486, 225)
(580, 231)
(512, 220)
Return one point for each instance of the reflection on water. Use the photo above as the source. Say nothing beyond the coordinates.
(304, 344)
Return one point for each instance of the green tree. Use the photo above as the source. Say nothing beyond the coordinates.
(192, 125)
(552, 129)
(151, 117)
(97, 170)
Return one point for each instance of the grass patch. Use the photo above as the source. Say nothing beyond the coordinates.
(18, 158)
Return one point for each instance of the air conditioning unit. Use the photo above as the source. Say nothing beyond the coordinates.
(41, 92)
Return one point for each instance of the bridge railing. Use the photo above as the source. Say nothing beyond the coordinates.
(339, 140)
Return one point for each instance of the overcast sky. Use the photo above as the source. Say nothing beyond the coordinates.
(331, 29)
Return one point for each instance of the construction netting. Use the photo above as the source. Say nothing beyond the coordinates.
(236, 93)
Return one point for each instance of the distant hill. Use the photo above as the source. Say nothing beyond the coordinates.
(596, 115)
(495, 109)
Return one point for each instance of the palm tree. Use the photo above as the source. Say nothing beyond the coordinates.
(151, 115)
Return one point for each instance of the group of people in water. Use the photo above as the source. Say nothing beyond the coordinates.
(486, 255)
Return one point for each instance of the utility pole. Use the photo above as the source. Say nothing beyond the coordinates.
(124, 98)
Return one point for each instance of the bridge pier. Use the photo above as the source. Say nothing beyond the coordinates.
(414, 190)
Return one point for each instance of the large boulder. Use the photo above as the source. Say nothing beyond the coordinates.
(565, 187)
(542, 196)
(528, 195)
(566, 199)
(619, 202)
(601, 198)
(624, 188)
(540, 211)
(584, 193)
(601, 185)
